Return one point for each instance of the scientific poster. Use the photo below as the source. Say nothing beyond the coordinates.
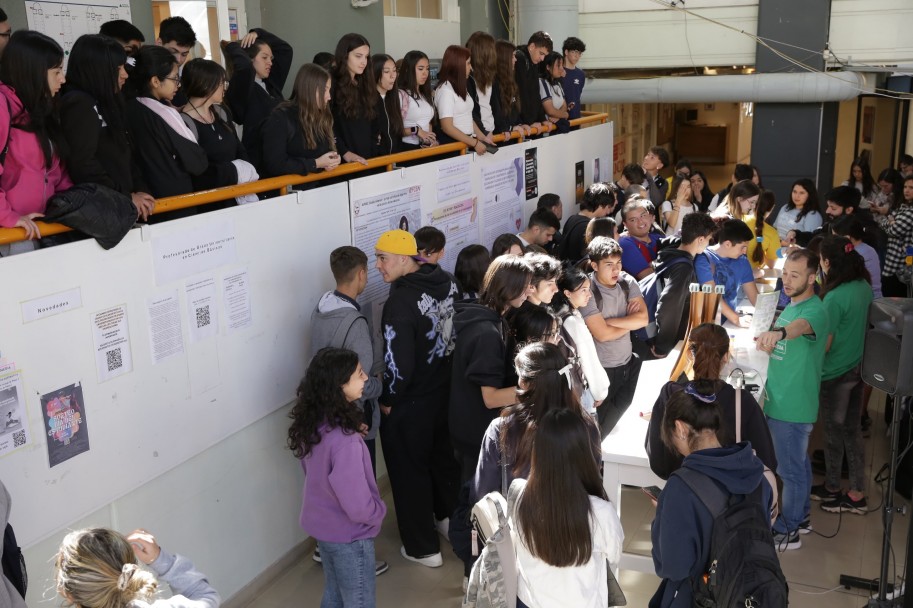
(578, 181)
(165, 336)
(112, 343)
(501, 207)
(236, 300)
(201, 308)
(14, 424)
(459, 221)
(65, 423)
(374, 215)
(453, 178)
(531, 172)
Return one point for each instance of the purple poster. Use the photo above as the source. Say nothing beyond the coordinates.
(65, 423)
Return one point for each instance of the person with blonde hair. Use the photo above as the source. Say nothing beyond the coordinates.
(97, 568)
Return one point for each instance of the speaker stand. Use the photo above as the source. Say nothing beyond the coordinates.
(888, 510)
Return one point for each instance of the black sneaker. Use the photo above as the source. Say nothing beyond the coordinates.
(844, 503)
(787, 542)
(805, 527)
(822, 493)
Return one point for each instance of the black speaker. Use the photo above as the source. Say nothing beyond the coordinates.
(887, 362)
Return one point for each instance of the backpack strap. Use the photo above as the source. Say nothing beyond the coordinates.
(738, 415)
(643, 249)
(190, 125)
(712, 496)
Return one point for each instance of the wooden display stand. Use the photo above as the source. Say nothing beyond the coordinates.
(705, 306)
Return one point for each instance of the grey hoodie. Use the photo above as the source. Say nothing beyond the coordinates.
(335, 322)
(189, 586)
(9, 596)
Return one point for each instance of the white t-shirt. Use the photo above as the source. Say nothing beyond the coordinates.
(416, 113)
(540, 585)
(488, 118)
(666, 207)
(551, 91)
(450, 105)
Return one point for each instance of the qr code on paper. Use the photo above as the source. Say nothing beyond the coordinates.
(203, 317)
(19, 438)
(115, 359)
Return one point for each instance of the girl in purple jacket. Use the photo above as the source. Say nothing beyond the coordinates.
(340, 505)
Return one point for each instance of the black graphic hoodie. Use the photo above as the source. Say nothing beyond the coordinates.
(417, 332)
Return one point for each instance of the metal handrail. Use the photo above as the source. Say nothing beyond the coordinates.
(284, 183)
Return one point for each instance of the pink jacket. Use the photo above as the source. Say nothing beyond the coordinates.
(25, 183)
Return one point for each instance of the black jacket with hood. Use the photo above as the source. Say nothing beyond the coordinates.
(675, 272)
(479, 359)
(417, 329)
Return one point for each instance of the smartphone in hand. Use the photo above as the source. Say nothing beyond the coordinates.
(652, 491)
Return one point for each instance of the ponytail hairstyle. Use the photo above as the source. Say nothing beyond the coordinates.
(24, 68)
(151, 61)
(553, 512)
(570, 279)
(96, 568)
(94, 68)
(353, 99)
(696, 405)
(504, 75)
(322, 401)
(766, 202)
(845, 264)
(314, 116)
(709, 344)
(406, 80)
(391, 99)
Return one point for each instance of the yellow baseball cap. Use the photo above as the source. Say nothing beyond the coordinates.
(398, 242)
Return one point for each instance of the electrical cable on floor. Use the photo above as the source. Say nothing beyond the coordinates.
(794, 590)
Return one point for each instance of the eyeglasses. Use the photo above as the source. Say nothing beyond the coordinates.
(175, 80)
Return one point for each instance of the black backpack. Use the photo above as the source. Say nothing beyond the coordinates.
(13, 562)
(743, 570)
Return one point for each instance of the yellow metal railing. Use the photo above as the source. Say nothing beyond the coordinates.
(284, 183)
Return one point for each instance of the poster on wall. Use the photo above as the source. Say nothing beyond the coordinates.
(578, 181)
(65, 423)
(531, 172)
(14, 424)
(65, 22)
(112, 343)
(374, 215)
(459, 221)
(502, 199)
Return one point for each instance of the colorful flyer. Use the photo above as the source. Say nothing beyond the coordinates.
(14, 425)
(65, 423)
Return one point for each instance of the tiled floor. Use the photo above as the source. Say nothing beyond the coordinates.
(812, 571)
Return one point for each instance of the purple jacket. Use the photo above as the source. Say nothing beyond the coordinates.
(340, 502)
(25, 183)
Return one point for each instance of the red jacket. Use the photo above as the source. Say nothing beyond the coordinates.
(25, 183)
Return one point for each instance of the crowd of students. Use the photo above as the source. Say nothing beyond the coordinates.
(147, 121)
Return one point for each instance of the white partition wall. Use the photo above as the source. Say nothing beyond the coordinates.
(186, 424)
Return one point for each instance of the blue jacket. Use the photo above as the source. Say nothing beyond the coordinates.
(681, 532)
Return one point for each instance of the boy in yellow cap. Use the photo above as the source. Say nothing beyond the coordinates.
(417, 328)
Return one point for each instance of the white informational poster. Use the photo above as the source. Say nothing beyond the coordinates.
(67, 21)
(374, 215)
(165, 336)
(502, 199)
(459, 221)
(236, 300)
(194, 251)
(112, 343)
(453, 178)
(202, 308)
(765, 309)
(14, 424)
(54, 304)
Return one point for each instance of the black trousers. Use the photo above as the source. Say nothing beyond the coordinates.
(423, 475)
(622, 384)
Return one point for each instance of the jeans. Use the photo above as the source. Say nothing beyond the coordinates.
(348, 569)
(795, 469)
(841, 408)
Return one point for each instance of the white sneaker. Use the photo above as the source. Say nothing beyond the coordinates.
(432, 561)
(443, 527)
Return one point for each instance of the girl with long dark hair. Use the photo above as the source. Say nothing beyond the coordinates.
(388, 114)
(259, 65)
(31, 73)
(681, 203)
(568, 533)
(551, 92)
(94, 122)
(861, 178)
(846, 293)
(763, 249)
(481, 84)
(692, 427)
(416, 100)
(482, 379)
(506, 244)
(708, 348)
(353, 95)
(507, 117)
(890, 189)
(204, 83)
(740, 202)
(802, 212)
(298, 134)
(341, 506)
(471, 264)
(165, 149)
(453, 103)
(703, 195)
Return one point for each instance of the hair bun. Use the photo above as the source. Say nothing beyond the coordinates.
(126, 575)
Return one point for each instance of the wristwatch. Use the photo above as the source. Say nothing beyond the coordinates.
(782, 331)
